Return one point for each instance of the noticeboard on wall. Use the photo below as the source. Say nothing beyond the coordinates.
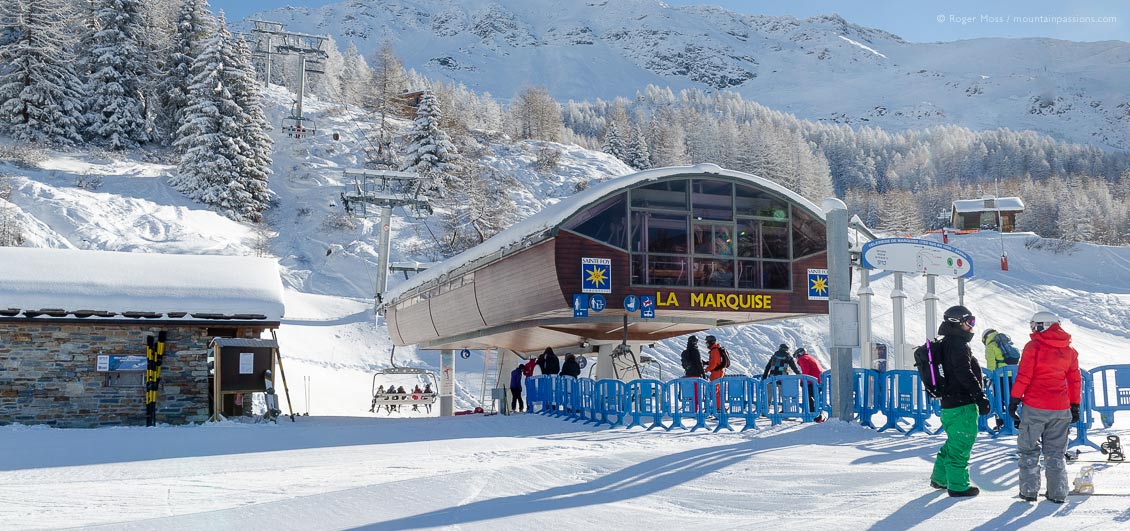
(242, 368)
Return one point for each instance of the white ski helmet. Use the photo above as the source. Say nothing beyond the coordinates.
(1042, 320)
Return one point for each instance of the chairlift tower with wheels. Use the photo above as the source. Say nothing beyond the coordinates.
(271, 39)
(382, 191)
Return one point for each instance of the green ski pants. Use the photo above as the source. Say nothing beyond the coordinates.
(951, 468)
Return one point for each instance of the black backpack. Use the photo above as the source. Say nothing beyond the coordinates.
(928, 361)
(724, 358)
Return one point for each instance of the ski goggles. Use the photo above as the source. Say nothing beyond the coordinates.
(965, 319)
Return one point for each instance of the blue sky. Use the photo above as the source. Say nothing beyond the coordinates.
(913, 20)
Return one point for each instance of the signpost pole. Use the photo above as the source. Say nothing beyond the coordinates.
(839, 289)
(898, 302)
(931, 299)
(447, 383)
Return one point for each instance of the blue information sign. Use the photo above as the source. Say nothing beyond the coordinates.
(580, 305)
(817, 284)
(464, 353)
(631, 303)
(647, 307)
(582, 361)
(597, 303)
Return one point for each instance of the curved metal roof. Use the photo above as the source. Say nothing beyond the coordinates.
(541, 225)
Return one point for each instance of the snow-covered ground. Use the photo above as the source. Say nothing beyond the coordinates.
(515, 472)
(344, 468)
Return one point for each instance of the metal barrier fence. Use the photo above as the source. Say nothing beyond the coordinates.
(897, 395)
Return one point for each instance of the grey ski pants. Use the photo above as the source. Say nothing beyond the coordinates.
(1046, 430)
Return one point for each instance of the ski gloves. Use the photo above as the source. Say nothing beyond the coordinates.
(1074, 413)
(1014, 403)
(983, 406)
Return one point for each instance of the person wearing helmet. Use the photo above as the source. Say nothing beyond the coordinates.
(963, 399)
(993, 356)
(1049, 385)
(810, 366)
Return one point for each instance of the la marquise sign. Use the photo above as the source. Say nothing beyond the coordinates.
(912, 255)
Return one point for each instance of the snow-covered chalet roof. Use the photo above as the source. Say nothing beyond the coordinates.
(103, 284)
(989, 204)
(539, 226)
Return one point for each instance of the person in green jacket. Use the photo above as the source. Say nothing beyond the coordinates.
(993, 356)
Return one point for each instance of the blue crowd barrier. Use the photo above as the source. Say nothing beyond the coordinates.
(788, 397)
(905, 398)
(688, 397)
(586, 404)
(740, 399)
(645, 399)
(1110, 392)
(999, 392)
(868, 388)
(1086, 412)
(611, 400)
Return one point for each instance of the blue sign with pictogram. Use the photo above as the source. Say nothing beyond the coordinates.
(647, 307)
(817, 284)
(596, 275)
(582, 361)
(631, 303)
(580, 305)
(597, 303)
(465, 354)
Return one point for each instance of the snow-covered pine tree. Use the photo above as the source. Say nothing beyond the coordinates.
(430, 152)
(41, 98)
(115, 108)
(613, 142)
(193, 26)
(212, 136)
(355, 76)
(247, 94)
(638, 155)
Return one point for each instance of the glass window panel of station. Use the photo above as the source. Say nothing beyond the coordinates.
(659, 233)
(713, 273)
(749, 274)
(659, 270)
(776, 275)
(713, 239)
(762, 239)
(665, 195)
(809, 234)
(605, 222)
(712, 200)
(750, 201)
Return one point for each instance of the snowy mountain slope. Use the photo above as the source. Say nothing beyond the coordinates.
(822, 68)
(330, 334)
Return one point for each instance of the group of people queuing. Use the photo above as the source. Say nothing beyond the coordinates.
(1047, 384)
(548, 363)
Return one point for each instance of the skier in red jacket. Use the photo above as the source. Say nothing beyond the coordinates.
(809, 366)
(1049, 385)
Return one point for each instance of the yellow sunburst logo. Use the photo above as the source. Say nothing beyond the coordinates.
(596, 276)
(820, 285)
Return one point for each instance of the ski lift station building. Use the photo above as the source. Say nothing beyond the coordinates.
(74, 326)
(697, 247)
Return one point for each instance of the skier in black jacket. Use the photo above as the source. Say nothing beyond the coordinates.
(963, 400)
(550, 363)
(780, 363)
(571, 367)
(692, 359)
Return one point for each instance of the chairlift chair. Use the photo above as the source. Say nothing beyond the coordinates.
(299, 128)
(392, 401)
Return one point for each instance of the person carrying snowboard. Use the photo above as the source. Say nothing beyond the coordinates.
(1049, 385)
(963, 400)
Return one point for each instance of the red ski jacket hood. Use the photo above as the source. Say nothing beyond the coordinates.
(1048, 377)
